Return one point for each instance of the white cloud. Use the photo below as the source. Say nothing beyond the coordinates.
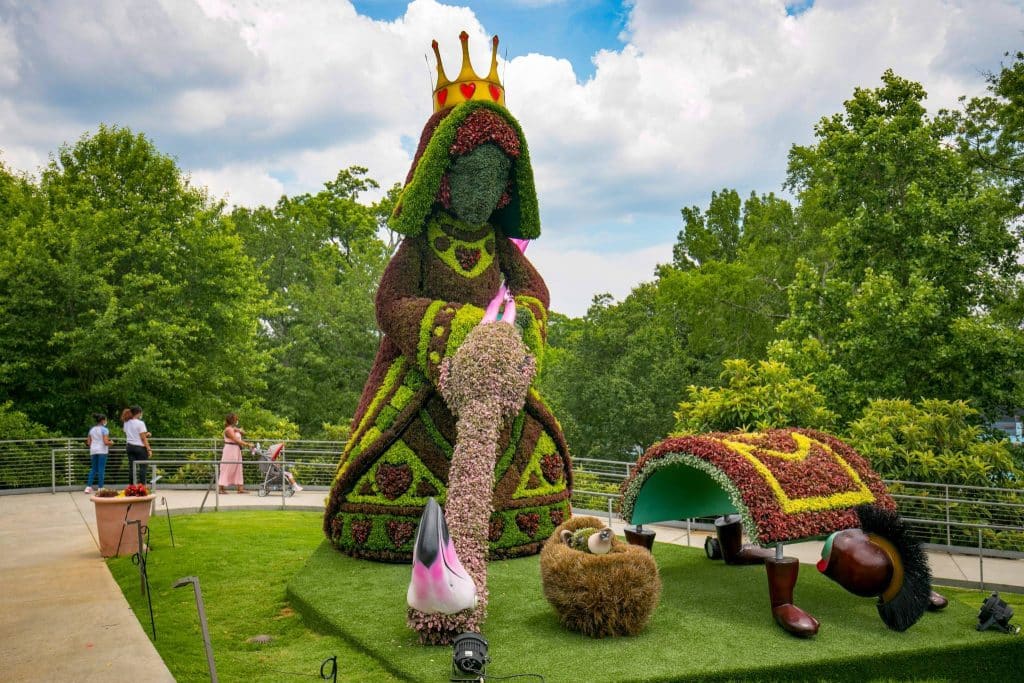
(258, 98)
(575, 274)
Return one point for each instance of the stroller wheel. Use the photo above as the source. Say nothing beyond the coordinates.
(262, 492)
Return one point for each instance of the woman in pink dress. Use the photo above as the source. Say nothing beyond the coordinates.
(231, 457)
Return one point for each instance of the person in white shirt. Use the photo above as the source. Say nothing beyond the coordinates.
(136, 438)
(99, 443)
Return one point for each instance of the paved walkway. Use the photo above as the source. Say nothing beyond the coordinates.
(64, 617)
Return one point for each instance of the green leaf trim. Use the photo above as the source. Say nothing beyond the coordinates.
(435, 434)
(466, 318)
(545, 446)
(399, 454)
(426, 330)
(629, 496)
(448, 256)
(521, 218)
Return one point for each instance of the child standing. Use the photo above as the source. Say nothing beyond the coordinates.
(99, 447)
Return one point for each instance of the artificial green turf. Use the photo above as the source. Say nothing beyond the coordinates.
(357, 608)
(712, 623)
(243, 560)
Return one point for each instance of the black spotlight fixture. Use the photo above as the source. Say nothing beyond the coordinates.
(469, 657)
(996, 614)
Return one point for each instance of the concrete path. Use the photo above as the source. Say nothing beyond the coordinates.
(64, 617)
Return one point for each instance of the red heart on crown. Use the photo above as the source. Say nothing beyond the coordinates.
(495, 92)
(467, 90)
(442, 95)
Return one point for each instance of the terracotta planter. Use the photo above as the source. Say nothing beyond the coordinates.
(112, 515)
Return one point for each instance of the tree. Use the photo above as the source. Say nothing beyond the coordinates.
(921, 252)
(991, 128)
(122, 284)
(727, 291)
(321, 259)
(613, 376)
(753, 396)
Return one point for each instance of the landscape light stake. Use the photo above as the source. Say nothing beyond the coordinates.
(139, 559)
(194, 580)
(167, 509)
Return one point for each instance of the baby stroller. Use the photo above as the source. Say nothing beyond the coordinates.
(274, 477)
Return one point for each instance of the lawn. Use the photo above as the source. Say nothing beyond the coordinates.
(243, 561)
(269, 573)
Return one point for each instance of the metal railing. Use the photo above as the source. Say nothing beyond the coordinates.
(960, 518)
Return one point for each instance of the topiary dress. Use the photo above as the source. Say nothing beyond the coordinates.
(433, 292)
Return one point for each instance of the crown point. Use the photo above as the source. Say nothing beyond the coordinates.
(464, 37)
(494, 41)
(433, 43)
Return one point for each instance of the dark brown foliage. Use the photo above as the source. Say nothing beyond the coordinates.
(528, 522)
(393, 480)
(400, 532)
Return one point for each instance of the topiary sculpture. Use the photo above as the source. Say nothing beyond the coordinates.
(469, 193)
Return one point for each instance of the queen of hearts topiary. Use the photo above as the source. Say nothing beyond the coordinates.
(469, 193)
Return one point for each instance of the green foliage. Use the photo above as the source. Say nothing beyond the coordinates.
(933, 441)
(321, 260)
(753, 397)
(921, 256)
(585, 483)
(122, 284)
(991, 128)
(16, 425)
(614, 376)
(477, 181)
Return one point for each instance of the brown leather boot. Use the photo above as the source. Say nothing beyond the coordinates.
(936, 602)
(782, 574)
(730, 538)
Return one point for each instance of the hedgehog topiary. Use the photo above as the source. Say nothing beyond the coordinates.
(599, 595)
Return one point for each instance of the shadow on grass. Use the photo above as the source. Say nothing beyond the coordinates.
(713, 623)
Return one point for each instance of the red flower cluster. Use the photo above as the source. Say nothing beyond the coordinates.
(528, 523)
(485, 126)
(361, 530)
(135, 491)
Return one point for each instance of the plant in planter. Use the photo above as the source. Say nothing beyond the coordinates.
(114, 510)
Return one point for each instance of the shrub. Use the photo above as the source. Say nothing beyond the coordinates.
(753, 397)
(934, 441)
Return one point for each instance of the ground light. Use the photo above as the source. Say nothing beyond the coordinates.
(469, 657)
(996, 614)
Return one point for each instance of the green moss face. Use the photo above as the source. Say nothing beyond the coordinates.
(477, 181)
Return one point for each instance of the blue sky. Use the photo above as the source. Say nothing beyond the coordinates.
(632, 110)
(570, 30)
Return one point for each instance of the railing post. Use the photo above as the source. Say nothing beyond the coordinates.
(69, 462)
(949, 537)
(53, 470)
(981, 564)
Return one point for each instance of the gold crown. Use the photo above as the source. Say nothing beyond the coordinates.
(468, 86)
